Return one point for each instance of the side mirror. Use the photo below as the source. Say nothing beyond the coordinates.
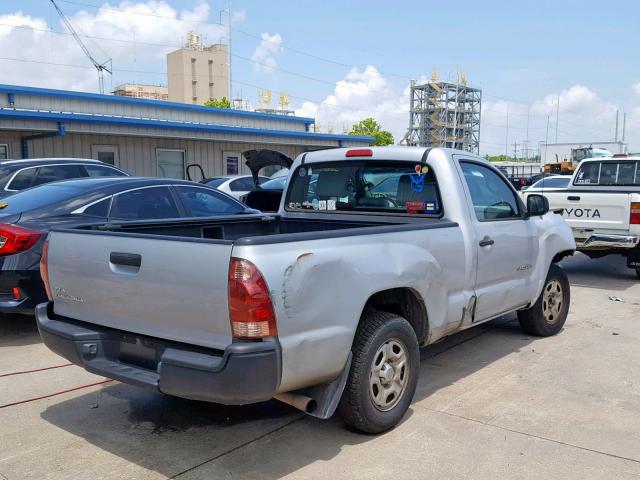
(537, 205)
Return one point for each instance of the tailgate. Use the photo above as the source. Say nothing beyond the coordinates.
(606, 212)
(171, 289)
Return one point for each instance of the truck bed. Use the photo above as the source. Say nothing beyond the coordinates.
(169, 279)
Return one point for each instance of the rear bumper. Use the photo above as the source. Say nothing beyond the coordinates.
(242, 373)
(31, 290)
(604, 241)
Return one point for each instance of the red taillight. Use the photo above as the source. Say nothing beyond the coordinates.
(250, 307)
(16, 293)
(359, 152)
(634, 217)
(44, 269)
(14, 239)
(620, 155)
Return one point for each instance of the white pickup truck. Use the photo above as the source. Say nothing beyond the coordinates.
(602, 206)
(373, 253)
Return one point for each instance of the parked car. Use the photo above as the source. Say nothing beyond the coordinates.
(548, 184)
(323, 305)
(235, 186)
(17, 175)
(601, 204)
(27, 216)
(267, 195)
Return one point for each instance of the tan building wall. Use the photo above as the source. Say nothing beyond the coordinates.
(196, 76)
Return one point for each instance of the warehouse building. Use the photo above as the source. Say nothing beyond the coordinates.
(148, 137)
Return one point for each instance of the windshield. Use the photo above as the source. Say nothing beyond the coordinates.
(551, 183)
(38, 197)
(275, 184)
(216, 182)
(365, 187)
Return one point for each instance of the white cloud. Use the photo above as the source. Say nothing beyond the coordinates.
(584, 116)
(362, 93)
(264, 54)
(636, 88)
(142, 33)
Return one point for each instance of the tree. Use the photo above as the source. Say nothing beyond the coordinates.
(222, 103)
(369, 127)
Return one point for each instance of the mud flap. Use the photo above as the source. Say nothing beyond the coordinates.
(328, 395)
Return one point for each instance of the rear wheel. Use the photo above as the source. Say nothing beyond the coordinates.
(383, 375)
(547, 316)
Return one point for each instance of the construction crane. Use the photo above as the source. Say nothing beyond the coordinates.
(100, 67)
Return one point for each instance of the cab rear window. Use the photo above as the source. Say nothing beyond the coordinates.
(374, 187)
(609, 173)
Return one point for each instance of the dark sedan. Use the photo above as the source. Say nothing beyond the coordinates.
(27, 216)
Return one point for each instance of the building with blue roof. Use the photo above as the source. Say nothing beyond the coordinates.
(148, 137)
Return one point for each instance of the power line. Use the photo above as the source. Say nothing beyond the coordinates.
(252, 35)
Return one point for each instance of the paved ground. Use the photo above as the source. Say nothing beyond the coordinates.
(492, 403)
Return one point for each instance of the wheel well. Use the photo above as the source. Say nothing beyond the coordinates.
(561, 255)
(406, 303)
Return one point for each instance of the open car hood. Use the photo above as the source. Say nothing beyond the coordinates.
(258, 159)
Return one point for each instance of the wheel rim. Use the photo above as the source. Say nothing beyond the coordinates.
(552, 301)
(389, 374)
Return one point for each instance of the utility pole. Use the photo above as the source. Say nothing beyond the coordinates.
(617, 119)
(624, 125)
(506, 138)
(527, 139)
(546, 141)
(515, 151)
(557, 117)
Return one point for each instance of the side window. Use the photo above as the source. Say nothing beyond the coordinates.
(241, 184)
(100, 171)
(491, 196)
(589, 174)
(52, 173)
(24, 179)
(145, 203)
(627, 174)
(200, 202)
(100, 209)
(608, 173)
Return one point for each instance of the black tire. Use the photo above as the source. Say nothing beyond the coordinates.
(546, 317)
(357, 406)
(638, 272)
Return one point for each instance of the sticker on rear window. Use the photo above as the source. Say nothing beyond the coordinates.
(417, 182)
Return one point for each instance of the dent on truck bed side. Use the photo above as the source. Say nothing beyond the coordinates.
(319, 290)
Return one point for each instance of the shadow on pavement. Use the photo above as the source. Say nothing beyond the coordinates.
(18, 330)
(608, 273)
(171, 435)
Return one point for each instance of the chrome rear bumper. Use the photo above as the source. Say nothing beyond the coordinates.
(601, 241)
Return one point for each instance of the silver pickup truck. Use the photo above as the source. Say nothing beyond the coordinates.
(373, 253)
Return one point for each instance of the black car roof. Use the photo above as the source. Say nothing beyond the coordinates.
(89, 183)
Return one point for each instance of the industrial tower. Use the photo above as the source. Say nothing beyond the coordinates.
(444, 114)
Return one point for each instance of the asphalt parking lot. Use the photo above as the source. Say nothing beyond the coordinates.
(491, 403)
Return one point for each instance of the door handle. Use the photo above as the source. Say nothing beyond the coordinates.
(573, 198)
(486, 241)
(126, 259)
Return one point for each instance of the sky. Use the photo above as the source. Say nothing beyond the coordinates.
(341, 62)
